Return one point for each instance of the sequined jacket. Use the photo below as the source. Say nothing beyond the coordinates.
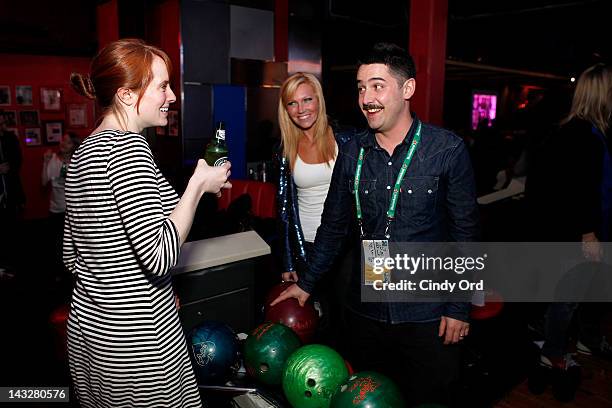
(287, 204)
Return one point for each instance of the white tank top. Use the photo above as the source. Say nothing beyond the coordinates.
(312, 183)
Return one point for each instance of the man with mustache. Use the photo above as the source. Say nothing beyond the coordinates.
(434, 201)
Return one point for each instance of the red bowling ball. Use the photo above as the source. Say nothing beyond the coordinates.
(303, 320)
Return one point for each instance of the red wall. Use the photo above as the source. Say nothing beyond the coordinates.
(42, 71)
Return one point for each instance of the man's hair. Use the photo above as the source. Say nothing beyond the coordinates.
(396, 58)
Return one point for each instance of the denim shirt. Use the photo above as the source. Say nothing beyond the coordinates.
(288, 211)
(437, 203)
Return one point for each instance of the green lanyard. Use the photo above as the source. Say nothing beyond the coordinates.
(396, 187)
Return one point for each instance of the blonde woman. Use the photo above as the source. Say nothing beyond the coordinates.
(309, 151)
(580, 210)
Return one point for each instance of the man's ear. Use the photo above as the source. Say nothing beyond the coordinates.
(126, 96)
(408, 88)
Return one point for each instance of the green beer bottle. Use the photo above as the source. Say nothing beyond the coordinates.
(216, 150)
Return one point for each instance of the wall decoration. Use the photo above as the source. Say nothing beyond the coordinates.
(10, 118)
(32, 136)
(51, 99)
(53, 131)
(13, 131)
(173, 123)
(77, 114)
(29, 118)
(5, 95)
(23, 94)
(160, 130)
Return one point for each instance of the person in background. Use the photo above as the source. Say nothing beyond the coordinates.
(123, 232)
(309, 150)
(414, 343)
(570, 198)
(12, 196)
(55, 168)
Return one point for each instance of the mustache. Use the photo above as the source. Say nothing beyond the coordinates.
(367, 106)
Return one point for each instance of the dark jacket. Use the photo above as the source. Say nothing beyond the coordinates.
(287, 204)
(12, 195)
(437, 203)
(564, 184)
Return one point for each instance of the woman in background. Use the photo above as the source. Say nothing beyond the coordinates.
(576, 174)
(123, 232)
(55, 168)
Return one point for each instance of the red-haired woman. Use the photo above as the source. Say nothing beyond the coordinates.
(123, 231)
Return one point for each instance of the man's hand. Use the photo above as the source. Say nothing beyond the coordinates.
(453, 330)
(293, 291)
(289, 276)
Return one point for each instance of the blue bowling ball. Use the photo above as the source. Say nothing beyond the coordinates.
(213, 347)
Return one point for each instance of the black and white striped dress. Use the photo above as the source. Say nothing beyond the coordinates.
(126, 346)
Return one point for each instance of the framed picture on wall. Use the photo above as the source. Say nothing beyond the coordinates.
(13, 131)
(29, 118)
(32, 137)
(23, 94)
(77, 114)
(173, 123)
(5, 95)
(10, 117)
(51, 99)
(53, 131)
(160, 130)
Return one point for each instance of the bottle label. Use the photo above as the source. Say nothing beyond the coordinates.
(220, 161)
(220, 134)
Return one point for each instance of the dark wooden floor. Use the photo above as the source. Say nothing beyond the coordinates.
(595, 390)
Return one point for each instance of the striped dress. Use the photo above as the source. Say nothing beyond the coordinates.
(126, 346)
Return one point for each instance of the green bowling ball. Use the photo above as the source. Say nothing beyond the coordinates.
(312, 374)
(267, 349)
(367, 389)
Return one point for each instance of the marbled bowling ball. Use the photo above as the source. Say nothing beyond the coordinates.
(367, 389)
(213, 347)
(302, 320)
(311, 376)
(267, 349)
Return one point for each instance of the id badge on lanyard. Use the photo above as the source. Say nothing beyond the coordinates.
(376, 251)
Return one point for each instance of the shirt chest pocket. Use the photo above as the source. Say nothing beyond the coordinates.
(418, 198)
(367, 193)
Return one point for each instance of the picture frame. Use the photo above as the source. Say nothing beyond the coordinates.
(51, 99)
(5, 95)
(10, 118)
(14, 131)
(29, 118)
(160, 130)
(23, 95)
(77, 115)
(173, 123)
(54, 131)
(31, 137)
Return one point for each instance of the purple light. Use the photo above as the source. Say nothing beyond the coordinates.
(484, 107)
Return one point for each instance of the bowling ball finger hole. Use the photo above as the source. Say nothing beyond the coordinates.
(308, 394)
(310, 382)
(263, 367)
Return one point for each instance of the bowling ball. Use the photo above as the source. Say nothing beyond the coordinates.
(213, 348)
(267, 349)
(494, 303)
(302, 320)
(367, 389)
(311, 376)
